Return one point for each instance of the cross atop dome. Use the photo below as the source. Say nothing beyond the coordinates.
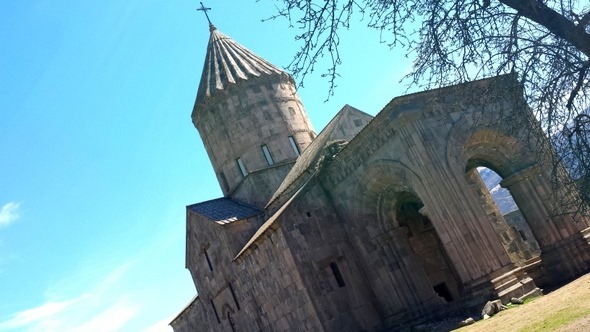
(227, 63)
(205, 10)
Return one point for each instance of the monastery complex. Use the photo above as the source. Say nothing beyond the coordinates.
(375, 223)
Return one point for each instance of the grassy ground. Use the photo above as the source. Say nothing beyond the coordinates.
(565, 309)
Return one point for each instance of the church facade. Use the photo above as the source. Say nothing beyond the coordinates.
(375, 223)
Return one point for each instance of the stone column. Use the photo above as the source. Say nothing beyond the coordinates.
(563, 239)
(470, 241)
(510, 239)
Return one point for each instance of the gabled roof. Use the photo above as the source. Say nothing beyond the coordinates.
(185, 309)
(270, 224)
(345, 125)
(341, 127)
(227, 62)
(223, 210)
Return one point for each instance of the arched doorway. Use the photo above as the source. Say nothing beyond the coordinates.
(510, 224)
(405, 211)
(509, 209)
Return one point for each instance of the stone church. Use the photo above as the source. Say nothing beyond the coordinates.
(374, 224)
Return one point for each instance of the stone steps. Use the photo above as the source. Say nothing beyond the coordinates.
(514, 283)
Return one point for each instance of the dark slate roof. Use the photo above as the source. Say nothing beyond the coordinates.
(223, 210)
(227, 62)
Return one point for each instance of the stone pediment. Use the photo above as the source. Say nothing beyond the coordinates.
(345, 125)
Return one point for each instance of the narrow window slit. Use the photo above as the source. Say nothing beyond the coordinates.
(215, 311)
(294, 145)
(267, 155)
(233, 294)
(232, 324)
(242, 167)
(337, 274)
(208, 260)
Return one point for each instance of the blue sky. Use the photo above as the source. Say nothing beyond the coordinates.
(98, 155)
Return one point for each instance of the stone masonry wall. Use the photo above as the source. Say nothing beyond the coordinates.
(189, 319)
(328, 264)
(259, 186)
(404, 150)
(262, 291)
(237, 122)
(273, 290)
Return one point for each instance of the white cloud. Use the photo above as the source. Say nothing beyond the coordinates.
(72, 315)
(9, 213)
(110, 319)
(34, 315)
(103, 308)
(160, 326)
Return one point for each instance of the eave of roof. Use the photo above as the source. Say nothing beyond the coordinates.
(308, 158)
(186, 307)
(223, 210)
(270, 223)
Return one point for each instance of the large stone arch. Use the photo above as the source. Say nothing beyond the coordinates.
(517, 157)
(505, 155)
(488, 145)
(383, 179)
(411, 282)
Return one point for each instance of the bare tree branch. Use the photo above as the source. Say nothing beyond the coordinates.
(546, 42)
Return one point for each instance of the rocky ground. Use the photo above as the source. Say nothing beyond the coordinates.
(565, 309)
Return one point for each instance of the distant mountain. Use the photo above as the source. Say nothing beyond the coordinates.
(573, 147)
(572, 144)
(500, 195)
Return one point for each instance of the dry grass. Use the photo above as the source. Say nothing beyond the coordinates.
(565, 309)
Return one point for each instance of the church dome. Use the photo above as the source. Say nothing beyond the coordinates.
(249, 116)
(227, 62)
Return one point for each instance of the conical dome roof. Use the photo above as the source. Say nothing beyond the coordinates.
(227, 62)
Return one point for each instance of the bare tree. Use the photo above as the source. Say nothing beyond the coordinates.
(547, 43)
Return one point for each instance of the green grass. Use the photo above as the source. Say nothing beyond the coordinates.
(531, 299)
(558, 319)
